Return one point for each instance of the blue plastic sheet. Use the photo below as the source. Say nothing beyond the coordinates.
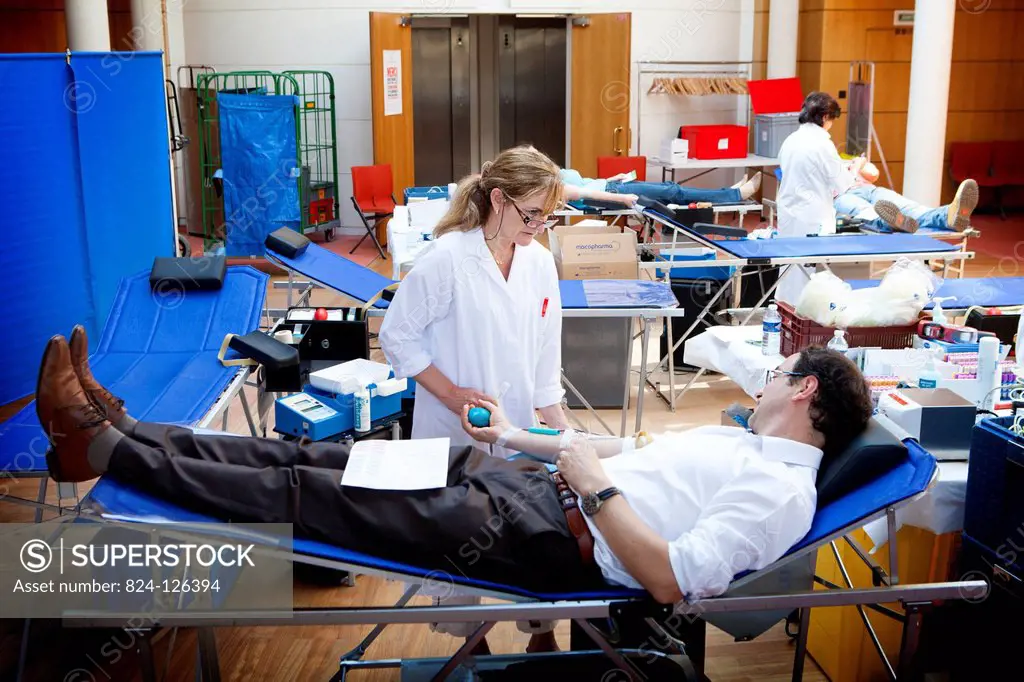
(260, 169)
(628, 293)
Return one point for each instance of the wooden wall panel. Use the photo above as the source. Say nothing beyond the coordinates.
(810, 36)
(392, 135)
(986, 100)
(39, 26)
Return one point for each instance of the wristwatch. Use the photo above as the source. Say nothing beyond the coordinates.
(591, 502)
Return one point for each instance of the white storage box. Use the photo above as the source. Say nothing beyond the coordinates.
(674, 150)
(349, 377)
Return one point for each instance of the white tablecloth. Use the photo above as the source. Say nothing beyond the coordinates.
(941, 510)
(405, 242)
(734, 352)
(729, 350)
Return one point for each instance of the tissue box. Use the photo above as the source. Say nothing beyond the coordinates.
(674, 151)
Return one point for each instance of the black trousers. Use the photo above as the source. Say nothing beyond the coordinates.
(496, 520)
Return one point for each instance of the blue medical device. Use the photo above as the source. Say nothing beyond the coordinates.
(302, 414)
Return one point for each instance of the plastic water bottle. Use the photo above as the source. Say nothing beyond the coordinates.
(771, 331)
(838, 342)
(362, 410)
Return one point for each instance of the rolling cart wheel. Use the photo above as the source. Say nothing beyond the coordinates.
(184, 247)
(329, 234)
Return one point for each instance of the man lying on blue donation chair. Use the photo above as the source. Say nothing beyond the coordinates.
(680, 516)
(617, 189)
(885, 210)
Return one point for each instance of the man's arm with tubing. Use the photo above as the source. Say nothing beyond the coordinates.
(543, 446)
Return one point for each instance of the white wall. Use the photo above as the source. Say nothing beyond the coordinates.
(333, 35)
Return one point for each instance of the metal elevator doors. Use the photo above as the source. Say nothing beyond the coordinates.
(441, 52)
(532, 83)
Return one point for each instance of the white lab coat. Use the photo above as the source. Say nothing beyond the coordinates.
(454, 310)
(813, 174)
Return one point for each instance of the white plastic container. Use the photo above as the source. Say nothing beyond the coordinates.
(362, 410)
(337, 378)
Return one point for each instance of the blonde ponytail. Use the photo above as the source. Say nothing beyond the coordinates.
(518, 172)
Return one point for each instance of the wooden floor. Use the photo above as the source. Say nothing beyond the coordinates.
(311, 653)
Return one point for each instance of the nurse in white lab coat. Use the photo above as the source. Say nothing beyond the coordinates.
(813, 174)
(479, 314)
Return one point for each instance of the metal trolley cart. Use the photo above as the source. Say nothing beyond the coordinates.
(316, 144)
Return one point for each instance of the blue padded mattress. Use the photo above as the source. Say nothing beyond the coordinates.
(910, 478)
(158, 352)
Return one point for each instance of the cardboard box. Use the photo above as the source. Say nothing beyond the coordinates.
(594, 252)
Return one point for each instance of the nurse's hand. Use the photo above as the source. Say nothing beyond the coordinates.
(581, 467)
(487, 434)
(457, 397)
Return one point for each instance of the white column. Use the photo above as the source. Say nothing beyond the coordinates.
(147, 26)
(929, 94)
(783, 20)
(88, 27)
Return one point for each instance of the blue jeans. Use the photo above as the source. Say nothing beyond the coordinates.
(671, 193)
(859, 202)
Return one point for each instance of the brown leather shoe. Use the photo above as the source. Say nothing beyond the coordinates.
(69, 418)
(111, 405)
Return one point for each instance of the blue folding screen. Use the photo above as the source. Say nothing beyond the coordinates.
(85, 194)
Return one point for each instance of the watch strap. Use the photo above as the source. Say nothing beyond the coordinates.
(608, 492)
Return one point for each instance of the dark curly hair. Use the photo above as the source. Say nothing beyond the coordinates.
(841, 408)
(819, 106)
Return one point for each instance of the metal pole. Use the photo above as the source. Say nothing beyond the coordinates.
(800, 656)
(864, 615)
(611, 653)
(462, 653)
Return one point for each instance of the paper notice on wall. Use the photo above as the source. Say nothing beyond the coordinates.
(392, 82)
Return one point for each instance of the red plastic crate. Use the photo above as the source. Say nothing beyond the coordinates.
(715, 141)
(799, 332)
(776, 96)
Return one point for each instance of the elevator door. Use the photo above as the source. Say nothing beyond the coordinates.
(440, 93)
(532, 86)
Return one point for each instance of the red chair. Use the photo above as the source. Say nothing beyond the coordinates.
(971, 160)
(372, 196)
(607, 166)
(1008, 163)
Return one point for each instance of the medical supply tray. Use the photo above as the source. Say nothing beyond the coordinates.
(994, 511)
(799, 332)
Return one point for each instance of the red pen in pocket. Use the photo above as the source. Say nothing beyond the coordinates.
(544, 308)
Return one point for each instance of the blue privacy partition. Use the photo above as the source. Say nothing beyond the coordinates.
(85, 191)
(260, 167)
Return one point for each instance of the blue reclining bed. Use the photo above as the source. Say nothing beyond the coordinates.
(158, 351)
(858, 499)
(787, 253)
(988, 292)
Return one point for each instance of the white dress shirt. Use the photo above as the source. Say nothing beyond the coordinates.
(454, 310)
(726, 500)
